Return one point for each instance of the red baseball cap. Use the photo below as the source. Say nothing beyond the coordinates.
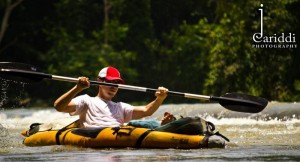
(110, 73)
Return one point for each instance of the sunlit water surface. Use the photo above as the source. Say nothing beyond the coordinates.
(271, 135)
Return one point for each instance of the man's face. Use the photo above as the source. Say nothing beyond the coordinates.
(108, 92)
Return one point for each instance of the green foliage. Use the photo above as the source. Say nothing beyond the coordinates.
(191, 46)
(235, 65)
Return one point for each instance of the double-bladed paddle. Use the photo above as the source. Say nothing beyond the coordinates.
(231, 101)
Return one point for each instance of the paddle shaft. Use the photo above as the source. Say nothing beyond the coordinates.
(144, 89)
(128, 87)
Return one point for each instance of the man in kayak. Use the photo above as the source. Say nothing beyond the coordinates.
(101, 111)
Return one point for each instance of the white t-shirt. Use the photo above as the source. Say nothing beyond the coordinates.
(95, 112)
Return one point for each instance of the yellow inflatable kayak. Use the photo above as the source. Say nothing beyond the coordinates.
(119, 137)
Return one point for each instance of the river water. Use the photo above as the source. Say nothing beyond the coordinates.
(271, 135)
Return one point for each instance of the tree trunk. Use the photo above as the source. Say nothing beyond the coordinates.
(106, 20)
(8, 9)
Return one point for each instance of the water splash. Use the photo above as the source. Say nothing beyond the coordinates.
(3, 95)
(6, 95)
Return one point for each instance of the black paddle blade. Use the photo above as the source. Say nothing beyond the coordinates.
(242, 102)
(19, 72)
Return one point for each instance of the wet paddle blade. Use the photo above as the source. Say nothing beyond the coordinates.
(242, 102)
(19, 72)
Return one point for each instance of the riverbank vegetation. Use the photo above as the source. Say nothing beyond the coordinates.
(195, 46)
